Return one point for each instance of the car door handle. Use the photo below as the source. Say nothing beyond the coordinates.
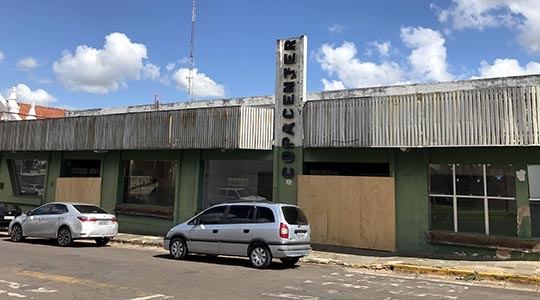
(246, 230)
(215, 231)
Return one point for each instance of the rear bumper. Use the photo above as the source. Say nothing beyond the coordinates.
(97, 233)
(297, 250)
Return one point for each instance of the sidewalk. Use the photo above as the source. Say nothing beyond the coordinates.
(462, 267)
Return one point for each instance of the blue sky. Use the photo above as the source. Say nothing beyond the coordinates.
(79, 54)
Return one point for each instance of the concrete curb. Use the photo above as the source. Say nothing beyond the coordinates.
(459, 274)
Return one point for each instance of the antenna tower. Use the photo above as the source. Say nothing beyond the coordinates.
(191, 78)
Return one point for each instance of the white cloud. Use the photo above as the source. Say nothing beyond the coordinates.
(150, 71)
(27, 64)
(39, 96)
(523, 15)
(170, 66)
(333, 85)
(336, 28)
(1, 56)
(382, 48)
(428, 57)
(104, 70)
(203, 86)
(354, 73)
(507, 67)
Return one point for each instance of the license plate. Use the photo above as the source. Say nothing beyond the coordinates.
(301, 234)
(9, 217)
(103, 223)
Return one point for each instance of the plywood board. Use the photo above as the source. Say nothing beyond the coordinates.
(83, 190)
(350, 211)
(312, 197)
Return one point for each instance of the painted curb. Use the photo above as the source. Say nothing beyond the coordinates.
(459, 274)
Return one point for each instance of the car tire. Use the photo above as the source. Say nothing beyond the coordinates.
(16, 233)
(63, 237)
(289, 261)
(102, 241)
(178, 248)
(260, 256)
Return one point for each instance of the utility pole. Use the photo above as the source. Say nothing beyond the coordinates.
(191, 77)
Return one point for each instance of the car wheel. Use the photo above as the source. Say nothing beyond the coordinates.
(103, 241)
(16, 233)
(178, 248)
(64, 236)
(289, 261)
(260, 256)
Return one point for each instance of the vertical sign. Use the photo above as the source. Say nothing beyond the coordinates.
(290, 95)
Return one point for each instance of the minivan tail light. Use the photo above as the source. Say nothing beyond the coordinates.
(87, 219)
(283, 231)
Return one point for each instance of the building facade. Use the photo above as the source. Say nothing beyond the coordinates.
(430, 167)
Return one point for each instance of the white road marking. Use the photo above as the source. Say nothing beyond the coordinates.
(43, 290)
(10, 294)
(13, 285)
(157, 296)
(291, 296)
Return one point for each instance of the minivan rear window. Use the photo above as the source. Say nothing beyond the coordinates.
(294, 215)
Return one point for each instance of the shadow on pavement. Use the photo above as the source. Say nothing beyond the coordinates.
(225, 260)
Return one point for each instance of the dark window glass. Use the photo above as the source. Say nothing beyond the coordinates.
(9, 207)
(89, 209)
(150, 182)
(294, 215)
(471, 215)
(27, 176)
(42, 210)
(229, 180)
(213, 215)
(502, 217)
(442, 213)
(240, 214)
(264, 215)
(59, 209)
(535, 218)
(469, 179)
(440, 179)
(501, 180)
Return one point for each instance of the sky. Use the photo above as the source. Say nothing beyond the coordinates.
(80, 54)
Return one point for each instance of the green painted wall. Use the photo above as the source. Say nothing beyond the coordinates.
(187, 198)
(110, 180)
(286, 189)
(412, 205)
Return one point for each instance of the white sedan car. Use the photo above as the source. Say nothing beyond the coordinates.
(65, 222)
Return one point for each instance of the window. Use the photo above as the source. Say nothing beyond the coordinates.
(229, 180)
(240, 214)
(28, 176)
(213, 216)
(534, 198)
(43, 210)
(150, 182)
(474, 198)
(89, 209)
(264, 215)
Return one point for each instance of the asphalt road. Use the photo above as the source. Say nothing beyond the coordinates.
(38, 269)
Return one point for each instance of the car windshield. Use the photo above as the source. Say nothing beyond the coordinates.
(89, 209)
(7, 207)
(294, 215)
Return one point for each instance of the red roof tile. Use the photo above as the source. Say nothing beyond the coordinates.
(42, 112)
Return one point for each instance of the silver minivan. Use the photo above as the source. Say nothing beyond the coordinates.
(260, 230)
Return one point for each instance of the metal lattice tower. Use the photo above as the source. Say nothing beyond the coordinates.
(191, 78)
